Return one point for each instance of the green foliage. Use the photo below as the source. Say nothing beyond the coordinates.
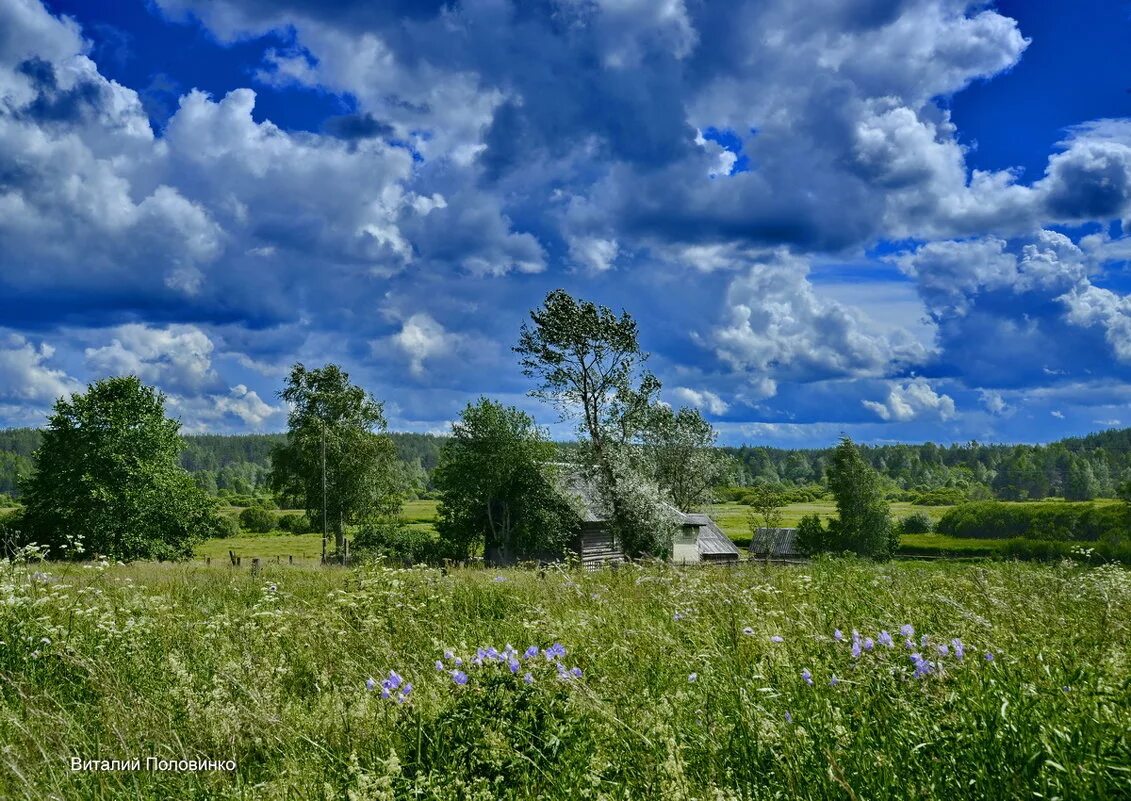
(257, 520)
(679, 449)
(227, 526)
(498, 491)
(1081, 522)
(941, 496)
(766, 502)
(401, 544)
(916, 523)
(294, 523)
(331, 443)
(107, 482)
(812, 536)
(863, 523)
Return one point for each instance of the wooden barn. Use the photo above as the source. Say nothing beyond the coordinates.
(775, 544)
(698, 540)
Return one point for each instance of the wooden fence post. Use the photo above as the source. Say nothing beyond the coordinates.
(232, 556)
(290, 560)
(255, 566)
(208, 561)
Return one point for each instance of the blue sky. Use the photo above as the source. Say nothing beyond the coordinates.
(897, 219)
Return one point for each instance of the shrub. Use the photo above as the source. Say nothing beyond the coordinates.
(1052, 520)
(400, 543)
(257, 520)
(812, 538)
(226, 526)
(917, 523)
(295, 523)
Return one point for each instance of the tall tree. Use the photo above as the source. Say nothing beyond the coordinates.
(336, 463)
(499, 487)
(588, 363)
(680, 447)
(107, 482)
(863, 523)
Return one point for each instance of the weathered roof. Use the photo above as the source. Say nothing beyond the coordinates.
(712, 541)
(780, 542)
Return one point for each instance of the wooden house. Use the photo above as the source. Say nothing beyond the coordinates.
(699, 539)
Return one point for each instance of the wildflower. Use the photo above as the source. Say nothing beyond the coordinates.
(805, 674)
(989, 657)
(788, 718)
(959, 648)
(856, 649)
(869, 644)
(528, 678)
(885, 639)
(678, 616)
(776, 638)
(530, 652)
(557, 650)
(575, 672)
(457, 662)
(1066, 688)
(922, 666)
(834, 681)
(370, 683)
(923, 641)
(439, 665)
(459, 677)
(909, 645)
(513, 665)
(406, 689)
(394, 681)
(500, 578)
(907, 630)
(386, 692)
(943, 649)
(838, 635)
(449, 655)
(692, 678)
(271, 588)
(749, 632)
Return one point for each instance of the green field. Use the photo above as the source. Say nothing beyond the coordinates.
(184, 662)
(731, 517)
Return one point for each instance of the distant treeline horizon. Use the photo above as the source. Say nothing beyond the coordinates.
(1078, 468)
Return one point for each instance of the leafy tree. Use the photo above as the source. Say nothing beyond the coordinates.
(680, 449)
(766, 503)
(863, 522)
(107, 482)
(589, 365)
(498, 488)
(332, 442)
(915, 523)
(1080, 481)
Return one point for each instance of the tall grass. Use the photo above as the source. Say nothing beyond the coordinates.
(188, 662)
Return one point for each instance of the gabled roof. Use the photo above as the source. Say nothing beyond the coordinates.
(780, 542)
(712, 541)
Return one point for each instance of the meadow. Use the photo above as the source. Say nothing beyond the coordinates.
(1000, 680)
(731, 517)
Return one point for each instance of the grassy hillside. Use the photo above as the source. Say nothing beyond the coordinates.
(681, 690)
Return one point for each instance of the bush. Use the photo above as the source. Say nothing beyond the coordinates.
(295, 523)
(1112, 550)
(943, 496)
(812, 538)
(1050, 520)
(226, 526)
(257, 520)
(400, 543)
(917, 523)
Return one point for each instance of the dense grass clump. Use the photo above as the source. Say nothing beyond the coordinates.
(838, 679)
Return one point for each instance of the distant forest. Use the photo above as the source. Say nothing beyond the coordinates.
(1077, 468)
